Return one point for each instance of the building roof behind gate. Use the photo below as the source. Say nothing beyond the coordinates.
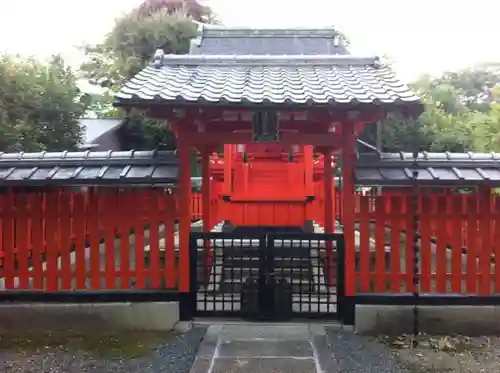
(244, 67)
(88, 168)
(243, 41)
(434, 169)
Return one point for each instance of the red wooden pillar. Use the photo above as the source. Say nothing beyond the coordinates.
(348, 203)
(184, 149)
(328, 211)
(228, 169)
(328, 179)
(205, 190)
(309, 169)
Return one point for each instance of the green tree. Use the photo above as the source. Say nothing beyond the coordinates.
(458, 113)
(156, 24)
(474, 85)
(40, 105)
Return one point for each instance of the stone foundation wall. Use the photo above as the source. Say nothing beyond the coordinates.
(467, 320)
(157, 316)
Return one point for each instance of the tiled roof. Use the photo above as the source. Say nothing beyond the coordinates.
(88, 168)
(94, 128)
(346, 81)
(440, 169)
(244, 41)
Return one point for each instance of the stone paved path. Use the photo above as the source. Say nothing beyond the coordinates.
(264, 348)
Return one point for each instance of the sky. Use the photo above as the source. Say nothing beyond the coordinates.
(428, 37)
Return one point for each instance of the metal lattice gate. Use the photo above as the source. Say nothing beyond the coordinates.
(276, 276)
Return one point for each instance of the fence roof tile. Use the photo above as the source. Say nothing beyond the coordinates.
(434, 169)
(88, 168)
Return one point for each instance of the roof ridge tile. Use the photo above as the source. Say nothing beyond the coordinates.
(161, 60)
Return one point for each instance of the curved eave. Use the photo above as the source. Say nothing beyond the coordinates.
(407, 108)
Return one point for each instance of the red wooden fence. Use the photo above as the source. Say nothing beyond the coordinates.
(459, 238)
(45, 239)
(54, 240)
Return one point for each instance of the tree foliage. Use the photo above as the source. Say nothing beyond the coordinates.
(40, 105)
(188, 8)
(462, 113)
(156, 24)
(131, 44)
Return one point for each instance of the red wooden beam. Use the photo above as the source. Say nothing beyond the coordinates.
(318, 139)
(192, 115)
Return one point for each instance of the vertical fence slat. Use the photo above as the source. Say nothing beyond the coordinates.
(441, 235)
(8, 241)
(124, 227)
(110, 218)
(409, 243)
(2, 251)
(22, 244)
(396, 211)
(52, 233)
(470, 244)
(79, 220)
(154, 247)
(94, 239)
(456, 244)
(364, 245)
(425, 245)
(139, 244)
(380, 263)
(65, 240)
(496, 240)
(170, 263)
(484, 244)
(37, 243)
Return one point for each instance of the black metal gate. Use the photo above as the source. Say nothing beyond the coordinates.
(274, 276)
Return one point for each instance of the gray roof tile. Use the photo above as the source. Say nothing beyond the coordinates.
(434, 169)
(93, 129)
(244, 41)
(88, 168)
(274, 80)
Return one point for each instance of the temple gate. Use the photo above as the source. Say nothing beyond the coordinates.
(271, 113)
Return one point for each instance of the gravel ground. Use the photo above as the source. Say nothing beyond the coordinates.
(357, 354)
(444, 354)
(116, 352)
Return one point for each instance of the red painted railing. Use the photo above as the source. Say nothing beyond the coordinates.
(459, 236)
(53, 241)
(45, 239)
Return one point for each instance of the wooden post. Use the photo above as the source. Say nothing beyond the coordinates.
(205, 190)
(348, 203)
(309, 169)
(183, 148)
(228, 169)
(334, 194)
(328, 212)
(379, 147)
(328, 179)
